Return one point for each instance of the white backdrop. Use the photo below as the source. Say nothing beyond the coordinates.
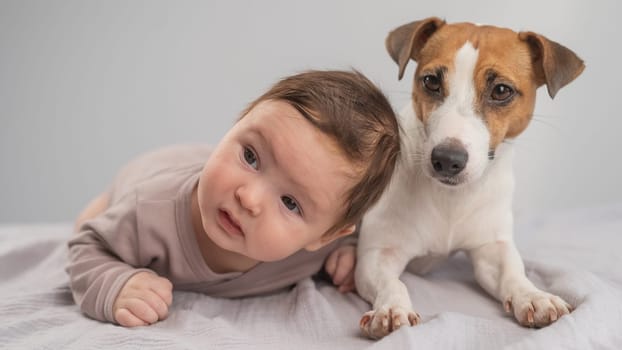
(87, 85)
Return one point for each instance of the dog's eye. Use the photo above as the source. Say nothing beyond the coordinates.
(501, 92)
(432, 83)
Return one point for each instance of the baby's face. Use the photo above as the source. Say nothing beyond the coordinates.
(274, 184)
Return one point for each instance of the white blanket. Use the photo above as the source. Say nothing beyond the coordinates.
(577, 255)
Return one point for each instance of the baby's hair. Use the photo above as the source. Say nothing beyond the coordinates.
(352, 111)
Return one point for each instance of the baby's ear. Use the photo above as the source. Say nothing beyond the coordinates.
(326, 239)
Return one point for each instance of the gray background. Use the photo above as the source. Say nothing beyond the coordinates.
(87, 85)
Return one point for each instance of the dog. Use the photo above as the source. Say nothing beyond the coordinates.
(474, 88)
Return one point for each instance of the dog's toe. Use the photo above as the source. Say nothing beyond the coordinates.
(378, 323)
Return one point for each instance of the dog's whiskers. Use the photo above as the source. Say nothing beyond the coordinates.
(545, 122)
(415, 156)
(550, 116)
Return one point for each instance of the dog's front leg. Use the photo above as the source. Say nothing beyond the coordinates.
(377, 281)
(500, 271)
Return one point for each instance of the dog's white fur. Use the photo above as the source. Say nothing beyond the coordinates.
(421, 221)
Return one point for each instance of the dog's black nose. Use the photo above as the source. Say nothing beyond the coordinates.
(449, 159)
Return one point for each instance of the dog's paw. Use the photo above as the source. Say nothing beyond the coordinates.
(376, 324)
(536, 309)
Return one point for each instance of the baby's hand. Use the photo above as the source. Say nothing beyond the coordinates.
(340, 267)
(143, 300)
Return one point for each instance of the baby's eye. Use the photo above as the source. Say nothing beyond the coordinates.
(290, 204)
(250, 157)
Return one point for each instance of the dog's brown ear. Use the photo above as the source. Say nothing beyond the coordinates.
(405, 42)
(554, 64)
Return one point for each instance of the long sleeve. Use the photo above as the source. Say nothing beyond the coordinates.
(102, 257)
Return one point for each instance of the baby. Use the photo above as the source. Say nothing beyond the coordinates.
(268, 206)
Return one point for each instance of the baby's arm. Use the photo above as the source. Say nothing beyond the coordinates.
(105, 274)
(94, 208)
(340, 267)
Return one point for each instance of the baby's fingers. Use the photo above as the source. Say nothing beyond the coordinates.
(157, 303)
(346, 288)
(164, 289)
(348, 283)
(141, 309)
(331, 263)
(127, 319)
(345, 267)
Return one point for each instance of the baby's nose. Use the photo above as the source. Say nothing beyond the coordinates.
(250, 198)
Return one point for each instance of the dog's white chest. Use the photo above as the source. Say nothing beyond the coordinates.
(430, 219)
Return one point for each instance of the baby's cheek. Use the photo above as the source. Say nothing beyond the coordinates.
(273, 248)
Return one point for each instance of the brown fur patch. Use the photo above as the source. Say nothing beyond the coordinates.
(502, 54)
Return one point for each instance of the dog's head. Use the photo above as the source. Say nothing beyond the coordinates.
(474, 87)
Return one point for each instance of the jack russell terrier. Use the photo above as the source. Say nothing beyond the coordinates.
(474, 88)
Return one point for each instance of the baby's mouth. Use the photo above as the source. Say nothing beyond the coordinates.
(229, 224)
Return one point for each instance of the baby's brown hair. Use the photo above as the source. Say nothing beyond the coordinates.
(352, 111)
